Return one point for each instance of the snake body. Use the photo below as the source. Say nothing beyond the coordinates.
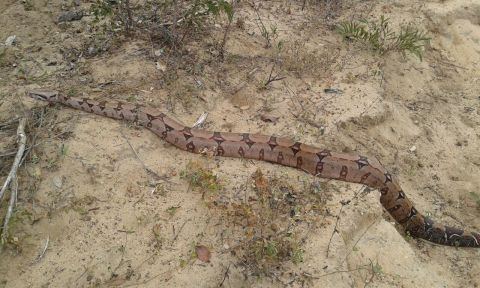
(316, 161)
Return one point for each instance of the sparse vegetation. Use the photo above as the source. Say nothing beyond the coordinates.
(271, 222)
(476, 197)
(380, 37)
(201, 178)
(169, 22)
(268, 34)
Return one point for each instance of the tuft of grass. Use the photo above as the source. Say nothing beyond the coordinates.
(380, 37)
(201, 178)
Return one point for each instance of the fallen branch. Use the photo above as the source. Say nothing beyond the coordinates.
(21, 140)
(11, 204)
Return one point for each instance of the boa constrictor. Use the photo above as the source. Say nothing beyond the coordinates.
(316, 161)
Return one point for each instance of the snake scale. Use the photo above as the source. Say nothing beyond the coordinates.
(316, 161)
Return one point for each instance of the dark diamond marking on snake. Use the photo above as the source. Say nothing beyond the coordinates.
(388, 177)
(384, 190)
(323, 154)
(241, 152)
(190, 146)
(394, 208)
(319, 168)
(165, 134)
(187, 133)
(217, 137)
(401, 195)
(280, 158)
(295, 148)
(168, 128)
(220, 151)
(150, 117)
(362, 162)
(344, 172)
(246, 139)
(299, 162)
(272, 142)
(261, 154)
(102, 105)
(149, 125)
(410, 215)
(364, 177)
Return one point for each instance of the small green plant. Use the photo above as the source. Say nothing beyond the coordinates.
(72, 92)
(297, 255)
(269, 35)
(380, 37)
(476, 198)
(101, 9)
(271, 249)
(201, 178)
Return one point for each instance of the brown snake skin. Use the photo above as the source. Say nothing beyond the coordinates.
(316, 161)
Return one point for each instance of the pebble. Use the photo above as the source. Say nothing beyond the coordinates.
(11, 40)
(57, 182)
(158, 52)
(413, 148)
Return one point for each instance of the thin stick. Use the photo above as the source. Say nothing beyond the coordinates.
(21, 140)
(225, 275)
(179, 230)
(11, 204)
(40, 256)
(201, 119)
(344, 203)
(150, 171)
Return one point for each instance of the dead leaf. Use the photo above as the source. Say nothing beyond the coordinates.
(269, 118)
(203, 254)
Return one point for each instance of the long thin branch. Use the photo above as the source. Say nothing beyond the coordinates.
(11, 204)
(21, 140)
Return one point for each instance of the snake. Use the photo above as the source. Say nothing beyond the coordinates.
(320, 162)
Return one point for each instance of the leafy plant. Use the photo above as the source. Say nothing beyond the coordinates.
(380, 37)
(101, 9)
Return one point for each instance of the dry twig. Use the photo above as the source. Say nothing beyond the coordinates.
(21, 140)
(45, 247)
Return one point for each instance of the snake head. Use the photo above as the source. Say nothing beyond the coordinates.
(45, 95)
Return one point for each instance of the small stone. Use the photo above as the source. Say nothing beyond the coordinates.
(158, 52)
(57, 182)
(11, 40)
(413, 148)
(70, 16)
(160, 66)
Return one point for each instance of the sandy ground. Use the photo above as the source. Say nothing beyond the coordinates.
(88, 193)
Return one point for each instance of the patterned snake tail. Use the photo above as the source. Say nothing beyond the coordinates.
(316, 161)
